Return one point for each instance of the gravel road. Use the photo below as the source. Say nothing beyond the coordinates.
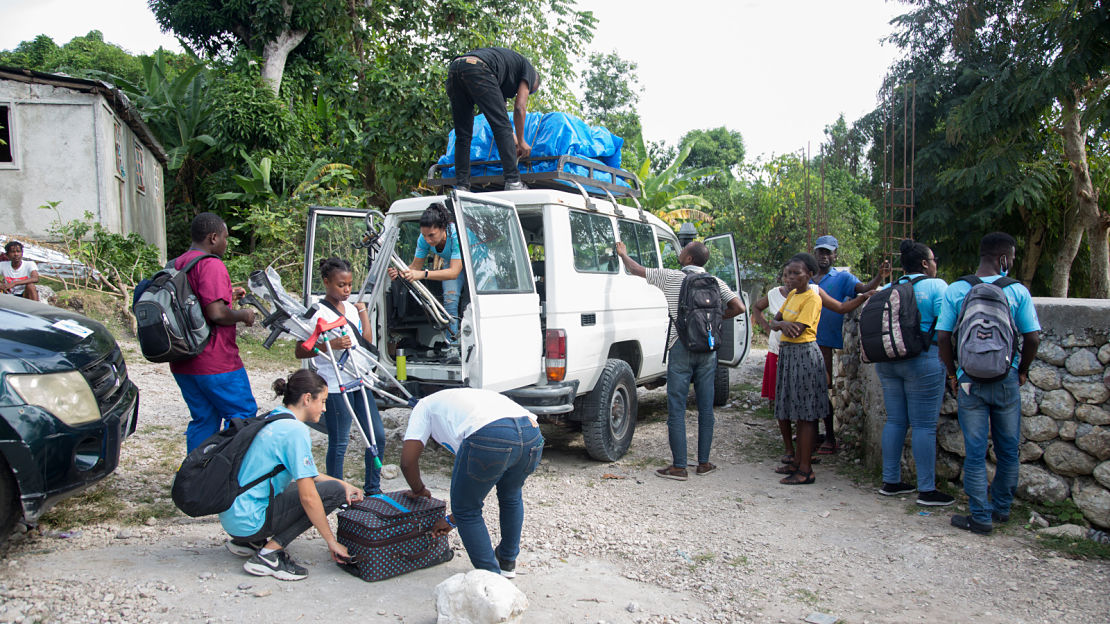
(602, 542)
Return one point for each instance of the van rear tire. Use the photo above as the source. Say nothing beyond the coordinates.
(609, 413)
(720, 386)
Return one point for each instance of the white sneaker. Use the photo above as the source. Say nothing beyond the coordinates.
(277, 564)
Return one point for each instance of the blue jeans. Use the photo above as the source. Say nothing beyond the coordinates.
(683, 368)
(503, 453)
(913, 391)
(338, 422)
(212, 399)
(452, 291)
(994, 409)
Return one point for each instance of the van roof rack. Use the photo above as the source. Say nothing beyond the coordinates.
(551, 179)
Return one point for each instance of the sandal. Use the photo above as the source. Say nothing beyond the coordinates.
(787, 469)
(798, 478)
(828, 449)
(787, 458)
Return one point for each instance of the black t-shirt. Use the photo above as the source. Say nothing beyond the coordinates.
(510, 68)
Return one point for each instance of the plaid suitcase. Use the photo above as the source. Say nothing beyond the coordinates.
(390, 534)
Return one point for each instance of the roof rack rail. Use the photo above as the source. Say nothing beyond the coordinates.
(560, 178)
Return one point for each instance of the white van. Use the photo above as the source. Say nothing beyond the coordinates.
(550, 316)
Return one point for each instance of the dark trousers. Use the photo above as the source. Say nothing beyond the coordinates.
(470, 84)
(286, 518)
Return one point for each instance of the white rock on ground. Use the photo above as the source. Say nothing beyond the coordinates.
(479, 597)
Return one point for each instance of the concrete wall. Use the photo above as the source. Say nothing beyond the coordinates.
(1065, 450)
(64, 150)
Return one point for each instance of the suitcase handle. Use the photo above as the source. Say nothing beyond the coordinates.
(408, 556)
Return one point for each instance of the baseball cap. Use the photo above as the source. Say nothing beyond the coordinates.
(826, 242)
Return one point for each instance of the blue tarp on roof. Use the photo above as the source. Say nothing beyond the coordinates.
(549, 134)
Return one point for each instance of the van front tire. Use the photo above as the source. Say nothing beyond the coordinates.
(609, 413)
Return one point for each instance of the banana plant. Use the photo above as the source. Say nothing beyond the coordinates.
(664, 193)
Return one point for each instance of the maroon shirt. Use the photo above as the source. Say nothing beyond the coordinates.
(210, 281)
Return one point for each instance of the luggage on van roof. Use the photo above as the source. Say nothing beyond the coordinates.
(565, 151)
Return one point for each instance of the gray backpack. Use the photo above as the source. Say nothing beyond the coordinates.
(169, 317)
(986, 334)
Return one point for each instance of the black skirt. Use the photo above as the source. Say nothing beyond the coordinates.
(801, 391)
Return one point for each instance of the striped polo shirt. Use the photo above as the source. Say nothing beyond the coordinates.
(670, 282)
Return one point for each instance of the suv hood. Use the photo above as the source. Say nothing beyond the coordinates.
(32, 342)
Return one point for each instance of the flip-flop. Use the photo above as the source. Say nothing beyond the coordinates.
(826, 449)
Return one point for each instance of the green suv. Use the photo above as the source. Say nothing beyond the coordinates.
(66, 405)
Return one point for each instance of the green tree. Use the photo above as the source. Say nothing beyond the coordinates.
(611, 93)
(1016, 64)
(770, 213)
(82, 57)
(270, 29)
(667, 192)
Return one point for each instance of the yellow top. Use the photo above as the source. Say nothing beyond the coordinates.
(804, 307)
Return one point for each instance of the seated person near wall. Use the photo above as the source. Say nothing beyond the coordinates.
(262, 526)
(19, 276)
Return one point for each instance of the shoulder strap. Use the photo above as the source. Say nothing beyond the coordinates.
(270, 417)
(192, 263)
(918, 279)
(1003, 282)
(359, 338)
(970, 279)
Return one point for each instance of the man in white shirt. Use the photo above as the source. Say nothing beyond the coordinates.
(19, 275)
(495, 442)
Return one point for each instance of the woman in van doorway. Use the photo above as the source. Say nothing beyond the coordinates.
(439, 238)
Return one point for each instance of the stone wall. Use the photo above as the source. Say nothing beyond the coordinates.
(1065, 408)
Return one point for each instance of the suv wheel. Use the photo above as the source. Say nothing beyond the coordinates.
(10, 511)
(720, 386)
(609, 412)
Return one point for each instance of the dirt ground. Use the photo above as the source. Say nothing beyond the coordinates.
(602, 542)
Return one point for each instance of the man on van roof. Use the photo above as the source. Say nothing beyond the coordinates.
(486, 77)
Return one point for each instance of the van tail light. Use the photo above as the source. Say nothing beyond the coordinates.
(555, 354)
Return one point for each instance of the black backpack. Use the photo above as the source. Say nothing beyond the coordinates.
(890, 324)
(208, 480)
(169, 317)
(699, 313)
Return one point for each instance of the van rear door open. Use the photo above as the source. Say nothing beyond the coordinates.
(500, 339)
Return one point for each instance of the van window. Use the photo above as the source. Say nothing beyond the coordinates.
(670, 254)
(339, 235)
(638, 238)
(593, 242)
(498, 255)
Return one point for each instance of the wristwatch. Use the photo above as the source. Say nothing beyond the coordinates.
(425, 273)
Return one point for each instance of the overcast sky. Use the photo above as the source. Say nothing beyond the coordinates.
(778, 71)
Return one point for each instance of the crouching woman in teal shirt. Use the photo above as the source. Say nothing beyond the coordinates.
(260, 526)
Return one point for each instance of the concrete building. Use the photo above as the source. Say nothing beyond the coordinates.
(82, 143)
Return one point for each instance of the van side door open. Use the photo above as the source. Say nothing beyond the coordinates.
(737, 330)
(501, 344)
